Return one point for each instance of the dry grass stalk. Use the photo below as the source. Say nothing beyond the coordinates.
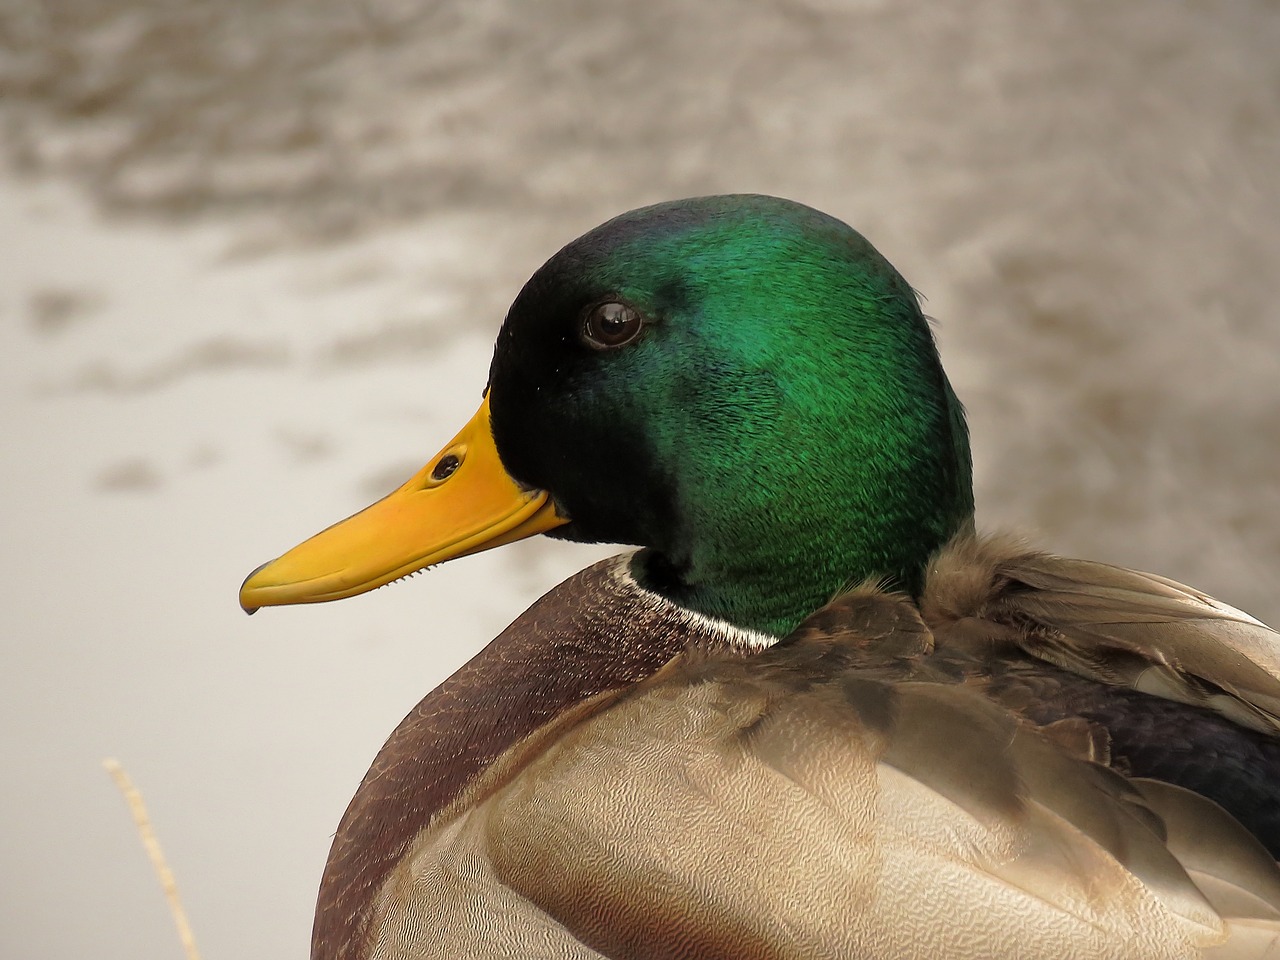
(152, 845)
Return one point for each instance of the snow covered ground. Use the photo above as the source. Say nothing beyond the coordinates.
(254, 257)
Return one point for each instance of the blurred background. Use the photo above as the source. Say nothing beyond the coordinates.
(254, 255)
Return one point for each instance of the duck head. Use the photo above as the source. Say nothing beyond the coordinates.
(741, 385)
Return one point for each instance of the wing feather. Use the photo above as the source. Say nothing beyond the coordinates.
(870, 816)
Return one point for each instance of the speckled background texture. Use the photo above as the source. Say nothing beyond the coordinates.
(255, 254)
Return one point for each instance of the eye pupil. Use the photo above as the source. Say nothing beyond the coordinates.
(611, 325)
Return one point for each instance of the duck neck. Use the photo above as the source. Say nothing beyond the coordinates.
(764, 555)
(770, 590)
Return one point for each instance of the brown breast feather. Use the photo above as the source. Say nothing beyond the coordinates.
(592, 633)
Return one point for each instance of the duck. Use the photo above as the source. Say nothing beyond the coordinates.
(814, 713)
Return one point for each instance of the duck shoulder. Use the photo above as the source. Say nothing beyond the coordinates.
(1168, 683)
(658, 821)
(1117, 626)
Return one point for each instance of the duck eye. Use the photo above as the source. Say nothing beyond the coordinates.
(610, 325)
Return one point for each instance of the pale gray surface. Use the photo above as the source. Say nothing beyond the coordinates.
(310, 217)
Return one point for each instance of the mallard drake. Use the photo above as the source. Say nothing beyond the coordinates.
(692, 751)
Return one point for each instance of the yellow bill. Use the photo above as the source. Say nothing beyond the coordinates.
(463, 501)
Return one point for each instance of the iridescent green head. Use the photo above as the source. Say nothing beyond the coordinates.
(745, 387)
(740, 384)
